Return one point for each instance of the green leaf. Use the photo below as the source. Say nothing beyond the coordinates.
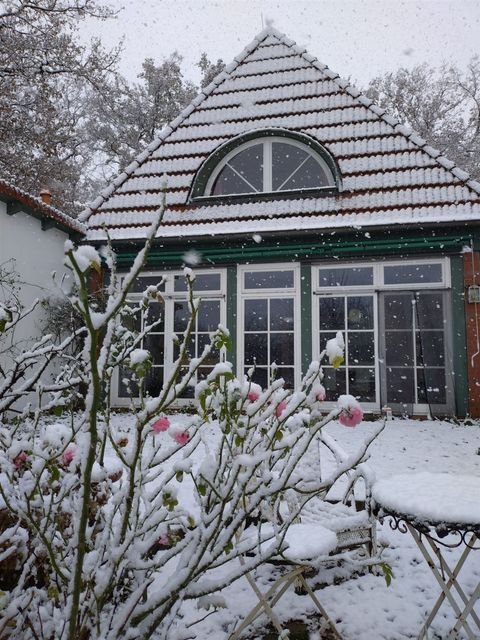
(57, 411)
(238, 441)
(279, 435)
(387, 572)
(228, 547)
(179, 476)
(54, 473)
(202, 489)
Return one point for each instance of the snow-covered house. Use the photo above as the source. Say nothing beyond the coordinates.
(308, 210)
(32, 237)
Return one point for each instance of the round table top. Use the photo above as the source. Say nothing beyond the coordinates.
(434, 498)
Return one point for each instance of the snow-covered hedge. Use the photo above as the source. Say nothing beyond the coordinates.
(106, 530)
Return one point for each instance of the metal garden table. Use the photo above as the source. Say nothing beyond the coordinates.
(440, 511)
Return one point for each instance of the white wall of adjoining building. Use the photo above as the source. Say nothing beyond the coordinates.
(34, 254)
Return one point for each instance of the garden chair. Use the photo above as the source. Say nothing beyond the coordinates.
(323, 534)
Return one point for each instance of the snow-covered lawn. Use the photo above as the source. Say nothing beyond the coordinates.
(364, 607)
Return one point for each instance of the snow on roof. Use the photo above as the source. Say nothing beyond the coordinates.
(9, 193)
(388, 172)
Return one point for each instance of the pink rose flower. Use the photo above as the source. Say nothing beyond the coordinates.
(161, 424)
(68, 455)
(321, 394)
(20, 460)
(163, 540)
(181, 437)
(253, 396)
(350, 417)
(280, 408)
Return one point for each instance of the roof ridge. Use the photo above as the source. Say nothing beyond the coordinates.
(174, 124)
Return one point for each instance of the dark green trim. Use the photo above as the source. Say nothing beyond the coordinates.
(459, 338)
(306, 316)
(319, 192)
(14, 207)
(46, 224)
(231, 303)
(322, 247)
(209, 165)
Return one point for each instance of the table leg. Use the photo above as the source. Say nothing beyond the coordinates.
(446, 587)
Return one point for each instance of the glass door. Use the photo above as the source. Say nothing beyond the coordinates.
(414, 352)
(354, 316)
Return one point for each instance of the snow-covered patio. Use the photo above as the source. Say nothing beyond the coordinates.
(363, 607)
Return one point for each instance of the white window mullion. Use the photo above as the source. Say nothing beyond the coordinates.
(267, 166)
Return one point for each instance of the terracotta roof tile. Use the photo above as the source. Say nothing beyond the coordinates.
(274, 83)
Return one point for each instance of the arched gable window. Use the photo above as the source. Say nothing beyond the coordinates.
(267, 163)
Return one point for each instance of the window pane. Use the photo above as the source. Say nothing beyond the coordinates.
(400, 386)
(431, 386)
(334, 382)
(348, 277)
(208, 315)
(154, 312)
(361, 348)
(399, 348)
(281, 348)
(181, 316)
(332, 313)
(360, 312)
(287, 373)
(295, 168)
(203, 339)
(256, 348)
(398, 311)
(269, 279)
(310, 175)
(140, 284)
(430, 348)
(286, 158)
(256, 315)
(154, 381)
(429, 311)
(202, 282)
(281, 314)
(154, 344)
(132, 321)
(409, 273)
(260, 376)
(242, 174)
(362, 384)
(126, 386)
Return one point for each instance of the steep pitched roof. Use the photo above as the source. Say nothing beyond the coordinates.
(38, 208)
(390, 175)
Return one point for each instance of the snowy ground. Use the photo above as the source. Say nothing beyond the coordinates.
(363, 607)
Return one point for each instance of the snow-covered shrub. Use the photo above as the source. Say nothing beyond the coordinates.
(105, 529)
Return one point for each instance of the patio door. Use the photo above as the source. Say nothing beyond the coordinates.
(414, 352)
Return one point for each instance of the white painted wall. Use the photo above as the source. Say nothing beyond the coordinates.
(36, 254)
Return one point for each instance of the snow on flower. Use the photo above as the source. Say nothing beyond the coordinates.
(162, 424)
(20, 460)
(68, 455)
(178, 433)
(351, 412)
(254, 392)
(280, 408)
(181, 437)
(139, 356)
(334, 350)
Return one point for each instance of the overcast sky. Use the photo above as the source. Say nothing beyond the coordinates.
(356, 38)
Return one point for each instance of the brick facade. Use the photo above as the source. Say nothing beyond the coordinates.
(472, 318)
